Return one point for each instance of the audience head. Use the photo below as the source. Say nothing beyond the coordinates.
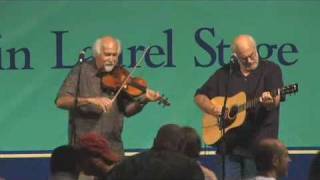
(192, 142)
(314, 172)
(95, 154)
(169, 137)
(271, 156)
(63, 159)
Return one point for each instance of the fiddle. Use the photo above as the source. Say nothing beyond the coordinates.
(119, 80)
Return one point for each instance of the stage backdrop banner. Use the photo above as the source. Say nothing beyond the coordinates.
(41, 40)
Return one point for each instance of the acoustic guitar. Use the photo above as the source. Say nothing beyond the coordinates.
(235, 114)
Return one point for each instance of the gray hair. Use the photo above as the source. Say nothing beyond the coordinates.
(96, 48)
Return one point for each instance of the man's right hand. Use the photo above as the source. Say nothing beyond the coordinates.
(207, 106)
(216, 110)
(104, 103)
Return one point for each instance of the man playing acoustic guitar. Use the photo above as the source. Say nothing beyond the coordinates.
(249, 78)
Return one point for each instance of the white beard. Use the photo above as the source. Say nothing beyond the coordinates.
(108, 67)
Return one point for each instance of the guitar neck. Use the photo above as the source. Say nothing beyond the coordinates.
(253, 102)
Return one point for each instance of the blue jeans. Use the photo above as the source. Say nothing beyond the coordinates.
(237, 167)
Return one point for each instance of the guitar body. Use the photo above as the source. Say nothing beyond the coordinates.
(211, 129)
(236, 112)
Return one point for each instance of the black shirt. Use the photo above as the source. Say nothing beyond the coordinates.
(260, 123)
(157, 165)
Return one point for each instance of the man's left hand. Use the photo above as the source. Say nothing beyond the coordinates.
(152, 95)
(268, 100)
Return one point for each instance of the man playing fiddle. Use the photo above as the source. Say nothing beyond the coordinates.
(91, 107)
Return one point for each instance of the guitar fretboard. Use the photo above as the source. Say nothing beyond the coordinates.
(252, 103)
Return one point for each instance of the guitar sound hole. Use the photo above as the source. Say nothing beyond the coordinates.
(232, 113)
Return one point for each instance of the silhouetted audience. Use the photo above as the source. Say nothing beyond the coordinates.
(163, 162)
(95, 155)
(192, 148)
(91, 156)
(169, 137)
(63, 163)
(314, 171)
(272, 160)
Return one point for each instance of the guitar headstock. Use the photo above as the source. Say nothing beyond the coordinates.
(290, 89)
(163, 101)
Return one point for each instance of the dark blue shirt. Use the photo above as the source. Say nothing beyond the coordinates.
(259, 123)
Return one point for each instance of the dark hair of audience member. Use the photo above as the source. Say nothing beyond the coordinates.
(95, 145)
(63, 159)
(264, 155)
(314, 171)
(169, 137)
(192, 142)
